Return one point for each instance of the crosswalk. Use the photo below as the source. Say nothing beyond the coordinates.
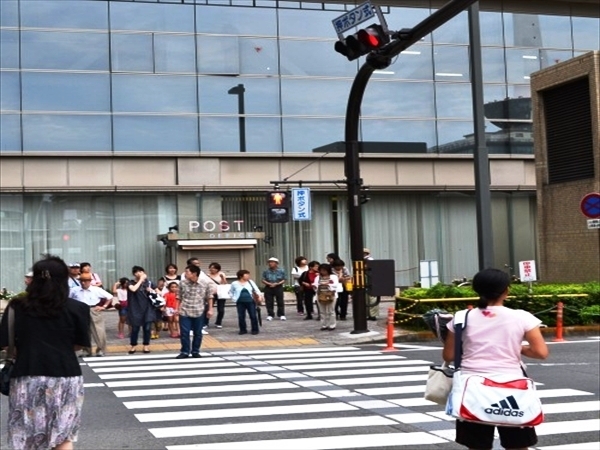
(309, 398)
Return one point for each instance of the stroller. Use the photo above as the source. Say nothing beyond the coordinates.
(436, 320)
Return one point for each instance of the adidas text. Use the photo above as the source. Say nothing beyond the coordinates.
(503, 412)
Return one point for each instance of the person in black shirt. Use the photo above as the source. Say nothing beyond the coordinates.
(46, 389)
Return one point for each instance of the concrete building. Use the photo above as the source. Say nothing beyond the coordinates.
(120, 122)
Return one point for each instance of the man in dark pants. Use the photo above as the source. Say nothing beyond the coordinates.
(273, 278)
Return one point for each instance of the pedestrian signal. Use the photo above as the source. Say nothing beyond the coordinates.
(278, 207)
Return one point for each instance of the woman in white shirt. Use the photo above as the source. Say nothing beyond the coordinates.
(243, 292)
(326, 286)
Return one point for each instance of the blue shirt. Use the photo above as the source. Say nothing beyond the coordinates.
(273, 276)
(241, 291)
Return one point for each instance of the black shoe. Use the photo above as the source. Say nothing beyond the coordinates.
(255, 332)
(343, 318)
(196, 355)
(243, 332)
(308, 318)
(372, 318)
(181, 356)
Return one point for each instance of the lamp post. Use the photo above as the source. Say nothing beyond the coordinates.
(239, 91)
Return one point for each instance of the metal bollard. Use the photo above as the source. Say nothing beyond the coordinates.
(390, 331)
(559, 323)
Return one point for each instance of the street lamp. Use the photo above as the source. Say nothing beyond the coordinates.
(239, 91)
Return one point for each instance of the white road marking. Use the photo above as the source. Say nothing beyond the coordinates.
(393, 390)
(133, 361)
(206, 389)
(176, 373)
(580, 446)
(551, 393)
(568, 426)
(413, 418)
(322, 355)
(378, 380)
(375, 371)
(343, 365)
(286, 362)
(187, 364)
(296, 350)
(194, 380)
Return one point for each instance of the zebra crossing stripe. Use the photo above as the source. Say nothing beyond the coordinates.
(386, 363)
(133, 361)
(580, 446)
(376, 371)
(189, 364)
(205, 389)
(567, 426)
(551, 393)
(295, 350)
(176, 373)
(375, 440)
(378, 357)
(314, 354)
(195, 380)
(378, 380)
(392, 390)
(557, 408)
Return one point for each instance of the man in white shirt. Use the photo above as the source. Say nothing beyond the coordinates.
(93, 296)
(74, 271)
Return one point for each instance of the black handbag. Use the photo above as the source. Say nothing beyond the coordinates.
(9, 362)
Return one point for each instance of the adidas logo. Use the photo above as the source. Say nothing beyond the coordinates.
(506, 407)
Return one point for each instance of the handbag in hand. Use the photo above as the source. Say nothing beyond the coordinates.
(9, 362)
(439, 384)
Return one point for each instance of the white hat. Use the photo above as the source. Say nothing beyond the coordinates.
(29, 274)
(273, 259)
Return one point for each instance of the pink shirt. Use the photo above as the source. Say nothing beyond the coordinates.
(493, 338)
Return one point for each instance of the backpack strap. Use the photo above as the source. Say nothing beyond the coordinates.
(460, 323)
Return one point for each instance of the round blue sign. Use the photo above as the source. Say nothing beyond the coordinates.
(590, 205)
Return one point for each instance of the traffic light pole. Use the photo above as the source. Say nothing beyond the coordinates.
(379, 59)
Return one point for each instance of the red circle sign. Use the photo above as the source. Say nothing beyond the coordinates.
(590, 205)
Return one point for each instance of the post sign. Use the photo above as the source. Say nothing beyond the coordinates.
(301, 207)
(527, 270)
(590, 205)
(352, 18)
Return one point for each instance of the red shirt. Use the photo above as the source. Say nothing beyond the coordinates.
(171, 300)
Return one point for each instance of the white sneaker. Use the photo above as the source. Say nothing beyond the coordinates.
(204, 332)
(218, 326)
(205, 327)
(282, 318)
(269, 318)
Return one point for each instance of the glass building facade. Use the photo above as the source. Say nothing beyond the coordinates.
(158, 78)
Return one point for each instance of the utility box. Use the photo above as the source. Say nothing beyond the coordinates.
(381, 277)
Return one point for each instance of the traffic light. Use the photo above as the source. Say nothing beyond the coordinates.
(278, 207)
(362, 42)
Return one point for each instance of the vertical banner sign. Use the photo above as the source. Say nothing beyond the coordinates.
(301, 206)
(527, 271)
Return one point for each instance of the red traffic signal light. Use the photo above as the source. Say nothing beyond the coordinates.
(362, 42)
(278, 199)
(278, 207)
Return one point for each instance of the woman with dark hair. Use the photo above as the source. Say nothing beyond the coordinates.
(306, 281)
(241, 292)
(171, 274)
(46, 389)
(326, 286)
(492, 343)
(300, 266)
(219, 278)
(140, 312)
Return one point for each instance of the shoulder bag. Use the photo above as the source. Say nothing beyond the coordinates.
(9, 362)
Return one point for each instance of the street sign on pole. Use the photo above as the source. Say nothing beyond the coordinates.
(593, 224)
(527, 270)
(358, 15)
(590, 205)
(301, 207)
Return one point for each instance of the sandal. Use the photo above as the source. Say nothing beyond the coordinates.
(132, 350)
(146, 350)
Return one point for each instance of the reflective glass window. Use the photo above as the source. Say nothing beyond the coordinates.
(65, 51)
(10, 133)
(416, 63)
(453, 100)
(9, 13)
(314, 58)
(519, 90)
(494, 92)
(66, 133)
(43, 91)
(211, 55)
(586, 33)
(222, 134)
(491, 28)
(521, 63)
(398, 99)
(451, 63)
(493, 66)
(155, 134)
(258, 56)
(10, 91)
(552, 57)
(174, 53)
(536, 30)
(154, 93)
(314, 97)
(240, 21)
(303, 23)
(303, 135)
(81, 14)
(451, 136)
(399, 18)
(455, 31)
(151, 17)
(9, 49)
(261, 95)
(398, 131)
(132, 52)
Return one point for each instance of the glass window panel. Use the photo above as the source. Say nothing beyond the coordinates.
(148, 17)
(416, 63)
(10, 133)
(494, 70)
(9, 13)
(536, 30)
(494, 92)
(10, 91)
(65, 51)
(552, 57)
(303, 135)
(303, 23)
(65, 91)
(233, 20)
(455, 31)
(132, 53)
(491, 28)
(155, 134)
(453, 100)
(65, 133)
(520, 64)
(222, 134)
(174, 53)
(154, 93)
(398, 99)
(451, 136)
(398, 131)
(9, 49)
(315, 97)
(451, 63)
(261, 95)
(399, 18)
(64, 14)
(211, 50)
(314, 58)
(586, 33)
(519, 91)
(258, 56)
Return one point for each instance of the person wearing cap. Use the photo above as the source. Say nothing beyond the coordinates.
(94, 297)
(74, 271)
(273, 278)
(373, 304)
(28, 278)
